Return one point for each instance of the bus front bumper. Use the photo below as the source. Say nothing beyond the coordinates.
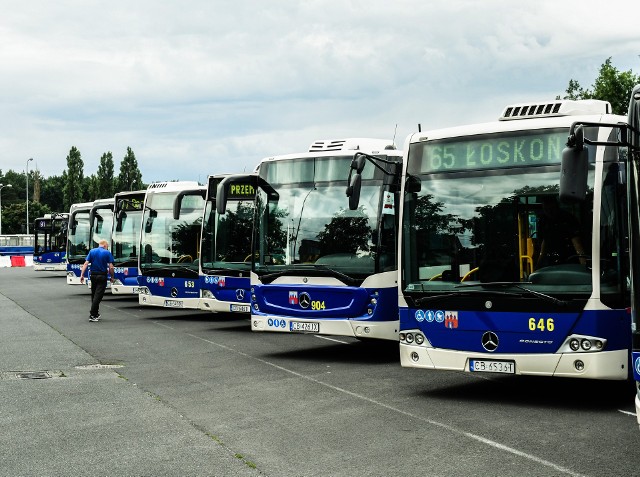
(387, 330)
(596, 365)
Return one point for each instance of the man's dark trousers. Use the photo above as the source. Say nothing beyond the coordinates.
(98, 286)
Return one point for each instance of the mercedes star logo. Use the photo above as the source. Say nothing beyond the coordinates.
(174, 292)
(305, 300)
(240, 294)
(489, 341)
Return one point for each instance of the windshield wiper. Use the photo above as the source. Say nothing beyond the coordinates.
(537, 294)
(299, 271)
(150, 269)
(458, 293)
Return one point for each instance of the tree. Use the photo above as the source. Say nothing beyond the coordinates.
(611, 85)
(14, 216)
(105, 186)
(74, 179)
(91, 188)
(130, 177)
(51, 193)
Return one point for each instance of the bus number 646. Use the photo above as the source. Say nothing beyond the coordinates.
(541, 324)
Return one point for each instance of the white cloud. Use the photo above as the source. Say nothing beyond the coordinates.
(201, 87)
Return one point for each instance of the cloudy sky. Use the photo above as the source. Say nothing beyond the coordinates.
(197, 87)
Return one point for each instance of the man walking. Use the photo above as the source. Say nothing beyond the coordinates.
(101, 261)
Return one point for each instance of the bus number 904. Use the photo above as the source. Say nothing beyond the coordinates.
(541, 324)
(317, 305)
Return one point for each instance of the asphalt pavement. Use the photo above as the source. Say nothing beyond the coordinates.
(164, 392)
(64, 413)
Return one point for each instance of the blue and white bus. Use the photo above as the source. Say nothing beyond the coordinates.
(78, 240)
(497, 272)
(50, 240)
(574, 186)
(225, 251)
(169, 245)
(317, 266)
(125, 237)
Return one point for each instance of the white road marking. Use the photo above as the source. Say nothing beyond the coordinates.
(452, 429)
(627, 412)
(331, 339)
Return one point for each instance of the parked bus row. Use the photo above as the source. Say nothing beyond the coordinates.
(504, 247)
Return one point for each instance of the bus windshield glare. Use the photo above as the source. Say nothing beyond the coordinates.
(79, 235)
(226, 239)
(309, 224)
(166, 241)
(487, 212)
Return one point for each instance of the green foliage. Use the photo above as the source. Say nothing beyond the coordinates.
(51, 193)
(74, 181)
(14, 216)
(611, 85)
(130, 177)
(105, 183)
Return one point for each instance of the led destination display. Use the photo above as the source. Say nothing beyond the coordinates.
(488, 152)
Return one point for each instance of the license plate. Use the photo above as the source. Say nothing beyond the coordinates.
(305, 326)
(173, 303)
(240, 308)
(489, 366)
(136, 289)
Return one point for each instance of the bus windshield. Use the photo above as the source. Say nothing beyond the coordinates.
(102, 225)
(307, 224)
(79, 235)
(226, 239)
(166, 242)
(125, 237)
(50, 234)
(495, 219)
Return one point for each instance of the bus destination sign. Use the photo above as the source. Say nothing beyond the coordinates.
(241, 191)
(490, 151)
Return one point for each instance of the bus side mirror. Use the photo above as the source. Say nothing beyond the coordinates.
(149, 223)
(353, 191)
(222, 195)
(574, 168)
(121, 214)
(177, 203)
(358, 162)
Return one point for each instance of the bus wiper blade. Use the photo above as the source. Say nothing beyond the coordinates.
(336, 273)
(300, 271)
(458, 293)
(544, 296)
(182, 268)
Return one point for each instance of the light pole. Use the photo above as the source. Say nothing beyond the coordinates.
(30, 159)
(2, 186)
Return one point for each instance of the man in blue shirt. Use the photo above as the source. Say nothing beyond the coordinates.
(101, 261)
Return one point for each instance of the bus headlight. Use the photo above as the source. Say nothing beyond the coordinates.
(582, 344)
(419, 339)
(409, 338)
